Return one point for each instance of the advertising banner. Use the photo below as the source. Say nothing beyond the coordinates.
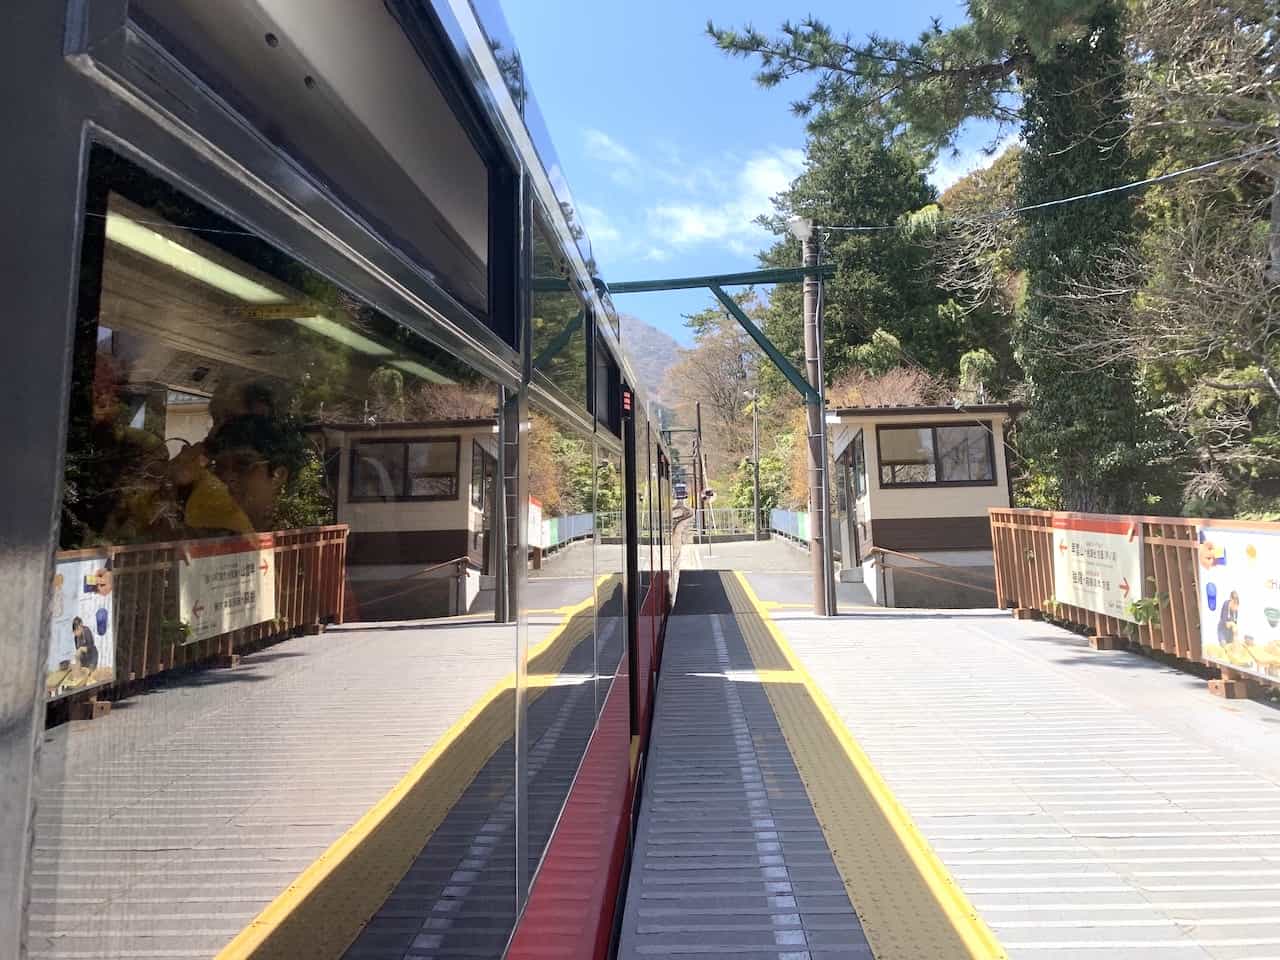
(1240, 600)
(1097, 564)
(82, 642)
(226, 585)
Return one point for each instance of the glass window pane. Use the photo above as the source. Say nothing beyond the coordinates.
(906, 445)
(908, 473)
(860, 465)
(433, 469)
(965, 454)
(559, 322)
(385, 139)
(378, 471)
(611, 631)
(477, 475)
(238, 432)
(560, 607)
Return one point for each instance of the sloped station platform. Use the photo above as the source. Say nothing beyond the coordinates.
(759, 835)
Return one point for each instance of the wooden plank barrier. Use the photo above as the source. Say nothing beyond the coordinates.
(1022, 543)
(310, 578)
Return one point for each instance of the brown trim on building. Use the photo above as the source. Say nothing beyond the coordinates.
(416, 547)
(924, 411)
(478, 423)
(931, 533)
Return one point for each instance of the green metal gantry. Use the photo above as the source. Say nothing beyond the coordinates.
(716, 284)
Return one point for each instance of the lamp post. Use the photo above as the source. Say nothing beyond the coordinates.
(819, 523)
(754, 397)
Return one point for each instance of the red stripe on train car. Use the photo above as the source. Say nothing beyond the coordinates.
(570, 910)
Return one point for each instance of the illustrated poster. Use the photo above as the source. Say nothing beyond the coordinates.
(1240, 600)
(82, 646)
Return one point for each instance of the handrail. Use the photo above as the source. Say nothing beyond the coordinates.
(927, 576)
(910, 556)
(414, 576)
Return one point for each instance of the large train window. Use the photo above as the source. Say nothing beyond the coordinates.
(348, 95)
(565, 481)
(611, 613)
(558, 335)
(266, 529)
(606, 388)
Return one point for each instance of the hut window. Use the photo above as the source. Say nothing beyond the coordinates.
(405, 470)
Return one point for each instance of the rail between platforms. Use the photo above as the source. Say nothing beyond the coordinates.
(891, 873)
(903, 898)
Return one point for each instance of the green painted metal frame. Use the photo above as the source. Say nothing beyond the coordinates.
(559, 341)
(716, 284)
(772, 275)
(809, 394)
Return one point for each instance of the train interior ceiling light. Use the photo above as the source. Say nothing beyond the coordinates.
(138, 236)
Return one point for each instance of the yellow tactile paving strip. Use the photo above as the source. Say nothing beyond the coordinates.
(322, 911)
(909, 906)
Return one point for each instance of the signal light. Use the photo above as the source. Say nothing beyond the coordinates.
(626, 401)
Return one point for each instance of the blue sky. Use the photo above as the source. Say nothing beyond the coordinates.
(669, 147)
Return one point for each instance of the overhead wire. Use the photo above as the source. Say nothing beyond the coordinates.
(1026, 208)
(1092, 194)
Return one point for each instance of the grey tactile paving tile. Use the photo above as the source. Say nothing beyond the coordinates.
(729, 859)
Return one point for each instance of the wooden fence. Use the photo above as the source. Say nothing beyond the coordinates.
(1023, 544)
(310, 580)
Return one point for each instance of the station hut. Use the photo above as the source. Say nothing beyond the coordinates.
(419, 501)
(912, 487)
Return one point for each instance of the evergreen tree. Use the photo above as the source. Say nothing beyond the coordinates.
(1053, 68)
(1083, 424)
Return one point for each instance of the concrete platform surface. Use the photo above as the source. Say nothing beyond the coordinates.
(166, 826)
(1091, 805)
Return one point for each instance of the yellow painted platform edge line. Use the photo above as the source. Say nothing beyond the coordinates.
(978, 938)
(278, 910)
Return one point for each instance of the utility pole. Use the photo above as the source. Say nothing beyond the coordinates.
(755, 459)
(699, 477)
(819, 552)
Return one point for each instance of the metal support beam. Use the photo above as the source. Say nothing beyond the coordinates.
(772, 275)
(782, 363)
(559, 342)
(716, 284)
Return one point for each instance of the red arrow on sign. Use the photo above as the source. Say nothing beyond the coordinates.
(263, 568)
(1062, 547)
(198, 609)
(1124, 586)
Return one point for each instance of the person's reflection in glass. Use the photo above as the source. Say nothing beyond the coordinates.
(254, 456)
(231, 481)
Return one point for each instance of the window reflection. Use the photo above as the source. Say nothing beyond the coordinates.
(611, 639)
(264, 472)
(560, 603)
(559, 322)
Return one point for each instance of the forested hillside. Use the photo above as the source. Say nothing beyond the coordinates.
(1117, 272)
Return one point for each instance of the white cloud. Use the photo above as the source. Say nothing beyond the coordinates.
(602, 147)
(599, 227)
(729, 217)
(949, 168)
(669, 204)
